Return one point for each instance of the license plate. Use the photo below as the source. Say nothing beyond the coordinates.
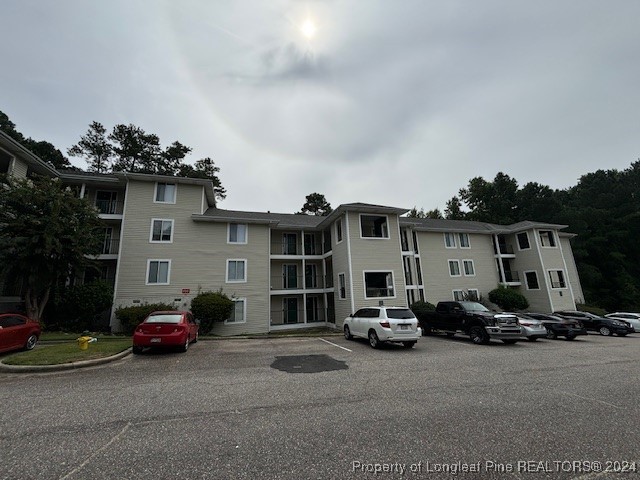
(404, 327)
(156, 340)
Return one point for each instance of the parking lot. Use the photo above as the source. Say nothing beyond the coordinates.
(296, 408)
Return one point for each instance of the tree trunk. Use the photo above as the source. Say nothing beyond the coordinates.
(34, 305)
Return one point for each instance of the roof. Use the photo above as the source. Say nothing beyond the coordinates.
(468, 226)
(16, 149)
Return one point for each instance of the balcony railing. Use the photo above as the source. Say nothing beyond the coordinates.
(296, 316)
(109, 207)
(511, 277)
(506, 249)
(110, 246)
(284, 248)
(299, 282)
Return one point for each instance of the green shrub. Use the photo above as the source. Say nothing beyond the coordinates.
(420, 308)
(211, 307)
(78, 306)
(130, 317)
(588, 308)
(508, 299)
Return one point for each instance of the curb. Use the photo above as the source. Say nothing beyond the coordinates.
(62, 366)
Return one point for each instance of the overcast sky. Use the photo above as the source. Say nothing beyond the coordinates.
(397, 103)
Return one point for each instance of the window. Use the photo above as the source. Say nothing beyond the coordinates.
(468, 268)
(237, 233)
(158, 272)
(556, 277)
(374, 226)
(454, 268)
(523, 241)
(239, 311)
(378, 285)
(161, 230)
(165, 193)
(290, 243)
(547, 239)
(236, 271)
(458, 295)
(342, 294)
(339, 230)
(473, 295)
(449, 240)
(464, 240)
(531, 280)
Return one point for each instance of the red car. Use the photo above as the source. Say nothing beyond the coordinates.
(18, 332)
(166, 329)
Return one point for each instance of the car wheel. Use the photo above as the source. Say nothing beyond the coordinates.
(511, 341)
(136, 349)
(606, 331)
(374, 341)
(347, 333)
(478, 336)
(31, 342)
(408, 344)
(570, 337)
(185, 347)
(551, 335)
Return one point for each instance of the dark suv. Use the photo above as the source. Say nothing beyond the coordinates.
(605, 326)
(559, 326)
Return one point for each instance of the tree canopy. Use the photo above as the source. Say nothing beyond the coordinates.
(46, 232)
(316, 204)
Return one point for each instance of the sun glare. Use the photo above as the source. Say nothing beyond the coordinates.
(308, 28)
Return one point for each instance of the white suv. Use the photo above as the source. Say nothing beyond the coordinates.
(383, 324)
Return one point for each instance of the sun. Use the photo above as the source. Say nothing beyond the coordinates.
(308, 29)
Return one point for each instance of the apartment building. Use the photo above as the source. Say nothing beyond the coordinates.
(165, 240)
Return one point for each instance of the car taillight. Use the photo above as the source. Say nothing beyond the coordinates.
(178, 329)
(385, 325)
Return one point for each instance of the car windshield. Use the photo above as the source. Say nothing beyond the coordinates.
(400, 313)
(474, 307)
(164, 318)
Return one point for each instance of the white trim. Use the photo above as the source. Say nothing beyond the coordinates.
(246, 233)
(149, 260)
(226, 272)
(545, 278)
(337, 223)
(528, 241)
(244, 311)
(175, 195)
(566, 272)
(473, 267)
(347, 232)
(151, 240)
(468, 240)
(202, 208)
(345, 286)
(364, 282)
(453, 294)
(449, 260)
(477, 293)
(118, 261)
(553, 236)
(564, 279)
(453, 236)
(372, 215)
(526, 281)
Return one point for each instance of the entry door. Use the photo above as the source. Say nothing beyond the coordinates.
(290, 307)
(289, 243)
(312, 309)
(290, 276)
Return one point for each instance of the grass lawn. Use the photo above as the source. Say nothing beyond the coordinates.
(68, 352)
(71, 337)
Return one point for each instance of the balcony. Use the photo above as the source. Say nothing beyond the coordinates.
(109, 207)
(110, 246)
(300, 282)
(506, 249)
(511, 278)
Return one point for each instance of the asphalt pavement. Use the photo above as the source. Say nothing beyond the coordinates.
(324, 408)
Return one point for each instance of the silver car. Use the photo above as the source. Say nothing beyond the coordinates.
(531, 328)
(632, 319)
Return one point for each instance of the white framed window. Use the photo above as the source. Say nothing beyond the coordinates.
(464, 240)
(161, 230)
(339, 230)
(523, 241)
(237, 233)
(556, 277)
(239, 312)
(531, 280)
(547, 238)
(236, 270)
(342, 286)
(458, 295)
(378, 284)
(449, 240)
(165, 193)
(468, 268)
(374, 226)
(158, 272)
(454, 268)
(473, 295)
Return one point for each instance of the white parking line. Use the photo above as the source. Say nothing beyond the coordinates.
(335, 345)
(592, 399)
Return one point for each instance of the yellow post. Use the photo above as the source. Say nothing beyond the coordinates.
(83, 342)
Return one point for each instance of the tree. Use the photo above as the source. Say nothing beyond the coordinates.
(135, 150)
(205, 168)
(95, 148)
(414, 213)
(453, 210)
(316, 204)
(491, 201)
(210, 307)
(508, 299)
(45, 233)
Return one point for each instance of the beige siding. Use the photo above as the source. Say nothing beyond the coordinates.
(341, 265)
(20, 168)
(198, 254)
(434, 257)
(552, 259)
(528, 260)
(572, 270)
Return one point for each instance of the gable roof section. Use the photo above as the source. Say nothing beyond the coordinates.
(18, 150)
(468, 226)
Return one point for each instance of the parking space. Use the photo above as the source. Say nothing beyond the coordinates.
(225, 410)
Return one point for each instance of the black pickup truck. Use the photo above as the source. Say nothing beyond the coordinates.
(473, 319)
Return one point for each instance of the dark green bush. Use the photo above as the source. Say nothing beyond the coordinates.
(211, 307)
(78, 307)
(420, 308)
(588, 308)
(508, 299)
(130, 317)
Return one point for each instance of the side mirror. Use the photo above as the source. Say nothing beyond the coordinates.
(197, 321)
(351, 315)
